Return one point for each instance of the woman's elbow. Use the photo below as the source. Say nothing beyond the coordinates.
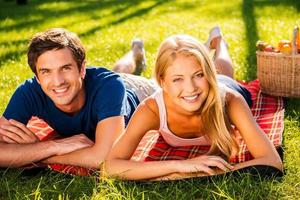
(275, 161)
(278, 163)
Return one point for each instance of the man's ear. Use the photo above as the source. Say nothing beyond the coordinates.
(83, 70)
(37, 79)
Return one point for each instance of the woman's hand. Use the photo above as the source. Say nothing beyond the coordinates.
(206, 164)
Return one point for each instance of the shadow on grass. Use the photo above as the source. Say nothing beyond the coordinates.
(293, 108)
(44, 183)
(217, 187)
(36, 13)
(13, 54)
(293, 3)
(252, 35)
(137, 13)
(250, 22)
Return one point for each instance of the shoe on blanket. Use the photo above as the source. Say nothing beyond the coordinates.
(137, 47)
(213, 33)
(134, 61)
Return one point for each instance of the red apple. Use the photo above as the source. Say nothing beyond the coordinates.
(269, 48)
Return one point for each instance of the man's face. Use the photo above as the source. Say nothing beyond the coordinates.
(61, 80)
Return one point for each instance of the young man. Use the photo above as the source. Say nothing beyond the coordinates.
(88, 107)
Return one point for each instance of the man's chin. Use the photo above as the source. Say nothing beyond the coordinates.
(61, 103)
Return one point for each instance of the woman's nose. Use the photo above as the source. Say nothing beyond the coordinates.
(189, 85)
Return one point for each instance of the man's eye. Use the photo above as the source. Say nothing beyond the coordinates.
(43, 72)
(66, 68)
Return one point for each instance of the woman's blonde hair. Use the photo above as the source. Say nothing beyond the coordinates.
(212, 111)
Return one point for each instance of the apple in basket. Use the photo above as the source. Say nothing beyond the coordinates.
(264, 46)
(269, 48)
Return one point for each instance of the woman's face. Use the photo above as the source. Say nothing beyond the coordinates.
(184, 83)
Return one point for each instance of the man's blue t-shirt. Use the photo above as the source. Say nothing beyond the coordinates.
(106, 96)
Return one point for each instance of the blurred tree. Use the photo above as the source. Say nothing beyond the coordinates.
(21, 2)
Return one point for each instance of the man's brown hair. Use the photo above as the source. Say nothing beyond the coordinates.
(55, 38)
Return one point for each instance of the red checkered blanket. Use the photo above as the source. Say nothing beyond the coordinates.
(267, 110)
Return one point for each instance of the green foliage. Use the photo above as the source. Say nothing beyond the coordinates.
(106, 29)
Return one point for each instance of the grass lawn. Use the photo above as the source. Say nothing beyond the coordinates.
(106, 29)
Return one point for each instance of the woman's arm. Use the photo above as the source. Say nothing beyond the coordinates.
(146, 118)
(257, 142)
(118, 162)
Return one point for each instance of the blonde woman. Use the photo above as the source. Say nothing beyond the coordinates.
(194, 106)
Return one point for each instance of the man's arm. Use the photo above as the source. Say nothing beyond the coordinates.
(107, 131)
(16, 155)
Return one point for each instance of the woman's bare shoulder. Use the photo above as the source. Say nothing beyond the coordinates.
(232, 95)
(150, 104)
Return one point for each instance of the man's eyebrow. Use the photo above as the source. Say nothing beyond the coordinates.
(66, 65)
(45, 68)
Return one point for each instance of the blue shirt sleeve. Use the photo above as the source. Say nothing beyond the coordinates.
(20, 105)
(111, 100)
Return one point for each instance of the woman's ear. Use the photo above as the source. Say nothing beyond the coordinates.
(161, 82)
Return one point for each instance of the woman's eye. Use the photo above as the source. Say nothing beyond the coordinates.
(200, 75)
(177, 80)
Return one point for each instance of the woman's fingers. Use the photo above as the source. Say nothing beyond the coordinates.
(204, 163)
(222, 164)
(206, 169)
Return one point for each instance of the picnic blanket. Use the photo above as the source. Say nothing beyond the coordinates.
(267, 110)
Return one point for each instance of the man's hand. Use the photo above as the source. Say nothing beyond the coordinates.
(73, 143)
(16, 132)
(87, 153)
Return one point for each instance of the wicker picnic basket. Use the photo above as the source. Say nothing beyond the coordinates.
(279, 74)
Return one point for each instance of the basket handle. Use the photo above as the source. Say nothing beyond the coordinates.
(294, 41)
(294, 52)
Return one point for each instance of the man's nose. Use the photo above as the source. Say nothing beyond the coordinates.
(58, 79)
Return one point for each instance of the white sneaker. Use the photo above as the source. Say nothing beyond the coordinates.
(213, 33)
(138, 51)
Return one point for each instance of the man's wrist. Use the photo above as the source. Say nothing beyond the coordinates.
(52, 146)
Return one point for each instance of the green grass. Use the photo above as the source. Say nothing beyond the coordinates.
(106, 29)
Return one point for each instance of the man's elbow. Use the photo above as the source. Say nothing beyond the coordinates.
(97, 162)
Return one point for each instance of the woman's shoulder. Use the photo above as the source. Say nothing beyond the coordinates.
(232, 96)
(150, 104)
